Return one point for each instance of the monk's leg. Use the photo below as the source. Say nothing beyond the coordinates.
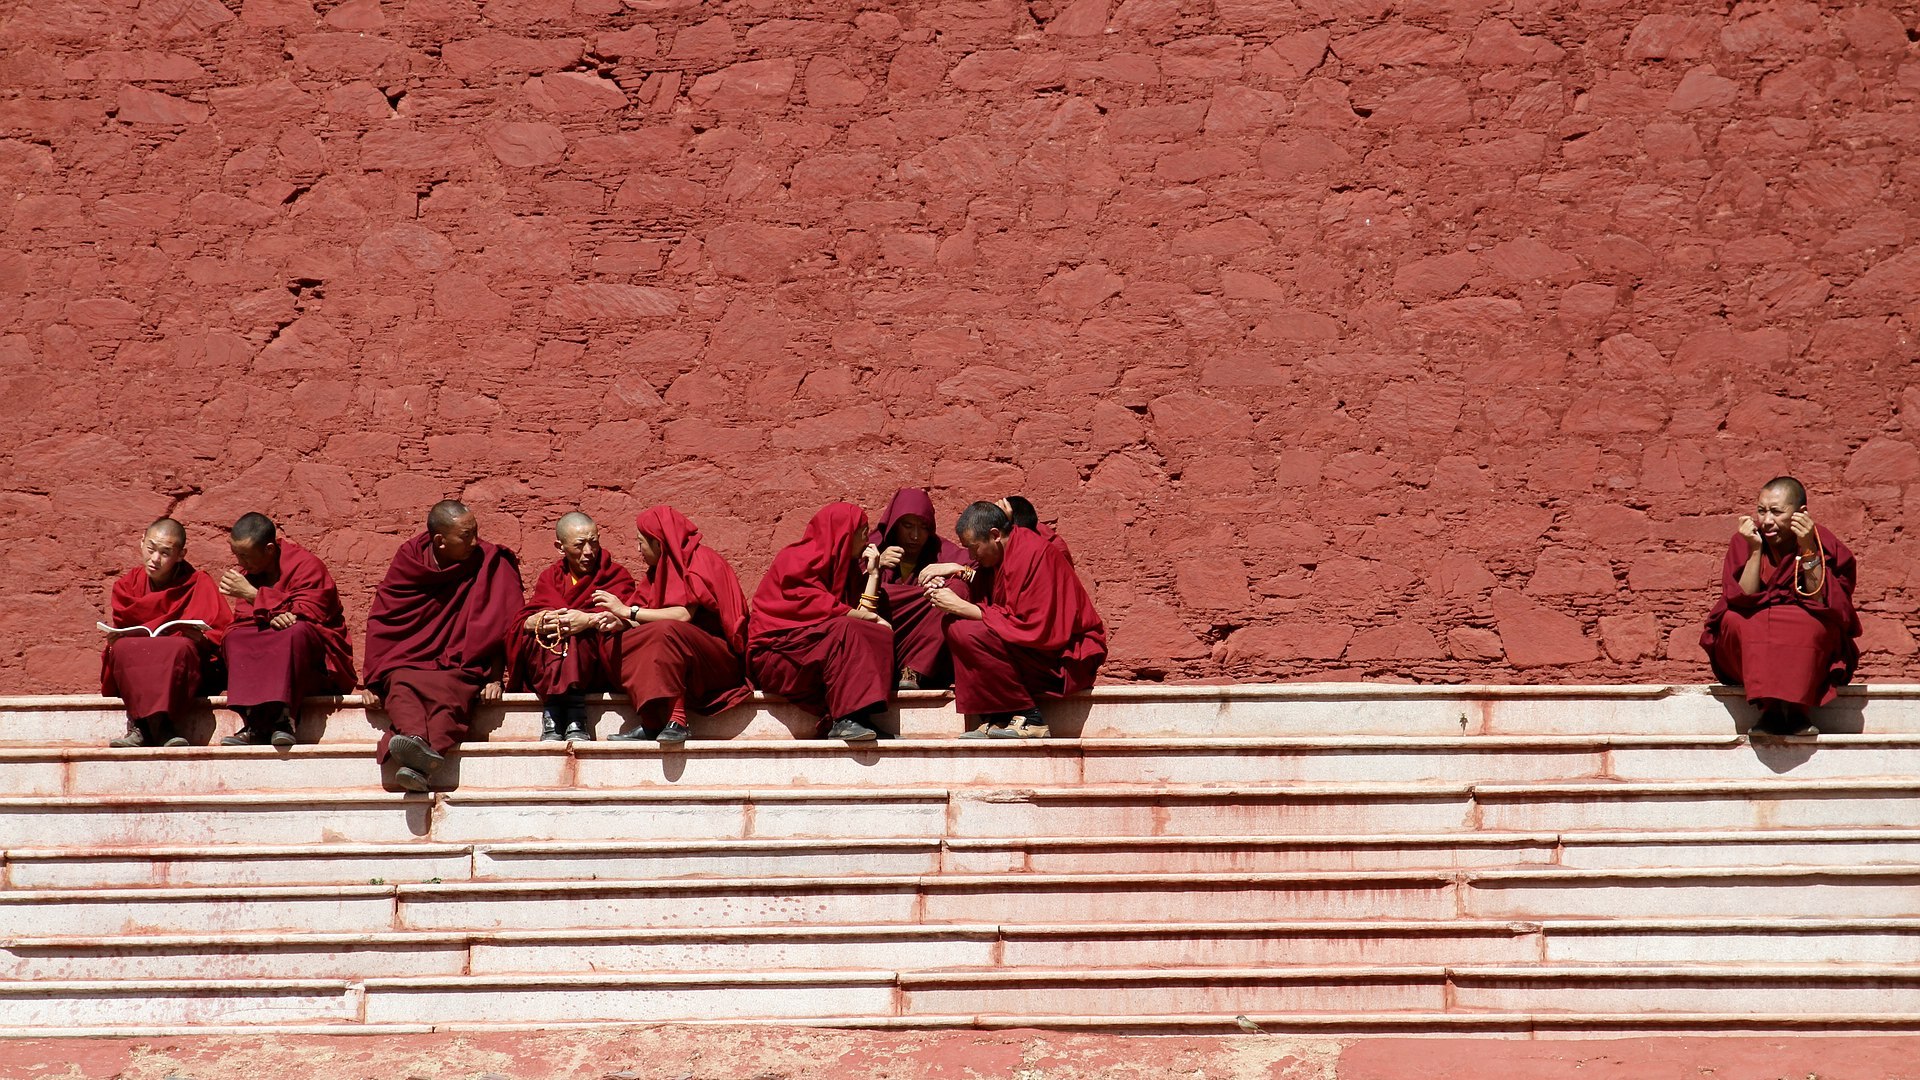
(1785, 656)
(786, 663)
(268, 674)
(666, 667)
(998, 681)
(429, 710)
(856, 659)
(556, 677)
(919, 640)
(156, 679)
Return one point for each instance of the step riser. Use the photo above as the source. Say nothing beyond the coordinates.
(480, 822)
(622, 1005)
(1771, 947)
(666, 959)
(214, 872)
(1863, 998)
(1729, 812)
(1738, 853)
(1730, 899)
(292, 823)
(659, 867)
(1243, 860)
(319, 914)
(1097, 816)
(1147, 998)
(203, 1009)
(355, 962)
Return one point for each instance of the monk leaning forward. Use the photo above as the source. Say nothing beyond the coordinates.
(436, 639)
(687, 642)
(289, 635)
(156, 676)
(1785, 626)
(563, 647)
(1037, 635)
(905, 543)
(809, 639)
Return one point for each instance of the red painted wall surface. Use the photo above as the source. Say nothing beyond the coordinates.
(1433, 340)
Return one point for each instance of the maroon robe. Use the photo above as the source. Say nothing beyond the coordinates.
(919, 638)
(1779, 645)
(667, 667)
(591, 658)
(1040, 637)
(154, 676)
(436, 634)
(802, 644)
(268, 666)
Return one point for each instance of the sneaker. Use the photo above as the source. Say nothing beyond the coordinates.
(283, 736)
(246, 736)
(675, 732)
(414, 753)
(409, 779)
(851, 731)
(135, 736)
(174, 740)
(909, 680)
(984, 731)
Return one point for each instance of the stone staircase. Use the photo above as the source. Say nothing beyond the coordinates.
(1324, 858)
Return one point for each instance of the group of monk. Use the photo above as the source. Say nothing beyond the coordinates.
(846, 616)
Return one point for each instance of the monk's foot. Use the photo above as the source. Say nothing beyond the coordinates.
(549, 724)
(408, 779)
(909, 680)
(1023, 725)
(675, 732)
(577, 729)
(990, 727)
(1774, 720)
(1797, 722)
(246, 736)
(413, 753)
(637, 734)
(851, 730)
(136, 736)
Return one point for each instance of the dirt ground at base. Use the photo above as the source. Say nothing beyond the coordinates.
(680, 1053)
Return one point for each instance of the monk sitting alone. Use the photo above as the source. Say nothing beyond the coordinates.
(1785, 626)
(289, 635)
(156, 677)
(1037, 635)
(561, 649)
(436, 639)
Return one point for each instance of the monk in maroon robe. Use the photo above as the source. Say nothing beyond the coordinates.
(289, 635)
(687, 645)
(437, 639)
(904, 543)
(1785, 626)
(809, 640)
(564, 648)
(156, 677)
(1036, 637)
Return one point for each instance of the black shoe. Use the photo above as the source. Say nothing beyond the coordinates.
(638, 734)
(414, 753)
(675, 732)
(246, 736)
(411, 779)
(1773, 721)
(578, 731)
(851, 731)
(283, 736)
(549, 727)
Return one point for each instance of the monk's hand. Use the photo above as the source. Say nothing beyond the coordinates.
(949, 601)
(235, 584)
(890, 557)
(867, 558)
(1749, 532)
(577, 622)
(1802, 525)
(607, 622)
(491, 691)
(938, 570)
(606, 601)
(283, 620)
(868, 616)
(369, 698)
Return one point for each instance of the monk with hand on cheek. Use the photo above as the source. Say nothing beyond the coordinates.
(1785, 626)
(289, 635)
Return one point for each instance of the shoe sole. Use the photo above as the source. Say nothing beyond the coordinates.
(672, 737)
(410, 780)
(859, 736)
(283, 739)
(413, 754)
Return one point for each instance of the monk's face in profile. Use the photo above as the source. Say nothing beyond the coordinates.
(459, 542)
(649, 551)
(161, 555)
(1771, 513)
(986, 550)
(911, 532)
(580, 548)
(254, 559)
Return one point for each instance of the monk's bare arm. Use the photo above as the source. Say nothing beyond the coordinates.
(1750, 574)
(677, 613)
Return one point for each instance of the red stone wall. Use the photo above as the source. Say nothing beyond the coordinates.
(1432, 340)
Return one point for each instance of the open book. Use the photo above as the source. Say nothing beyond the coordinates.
(117, 631)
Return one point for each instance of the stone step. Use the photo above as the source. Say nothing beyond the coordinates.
(1389, 942)
(660, 860)
(1511, 893)
(1173, 711)
(66, 770)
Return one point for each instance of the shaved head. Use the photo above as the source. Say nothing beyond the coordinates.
(979, 519)
(254, 530)
(1790, 489)
(572, 524)
(441, 519)
(169, 531)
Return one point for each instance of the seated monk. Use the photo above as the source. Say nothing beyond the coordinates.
(1036, 637)
(904, 543)
(437, 639)
(687, 645)
(289, 635)
(808, 638)
(156, 677)
(1784, 627)
(561, 650)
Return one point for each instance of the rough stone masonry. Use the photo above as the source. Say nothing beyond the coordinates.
(1431, 340)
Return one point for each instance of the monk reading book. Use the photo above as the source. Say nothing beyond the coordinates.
(810, 639)
(157, 675)
(289, 635)
(686, 649)
(563, 647)
(437, 639)
(905, 543)
(1035, 636)
(1784, 628)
